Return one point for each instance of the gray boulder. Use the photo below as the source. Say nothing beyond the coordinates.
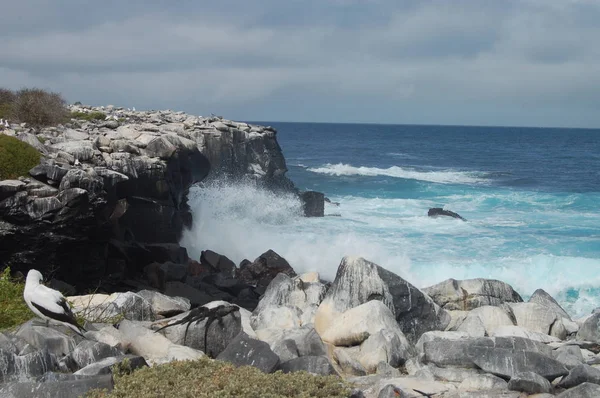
(264, 269)
(469, 294)
(88, 352)
(104, 365)
(590, 330)
(530, 383)
(585, 390)
(46, 338)
(165, 305)
(579, 375)
(306, 339)
(20, 367)
(245, 351)
(358, 281)
(483, 381)
(541, 297)
(319, 365)
(60, 389)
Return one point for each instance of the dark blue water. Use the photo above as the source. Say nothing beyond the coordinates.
(531, 197)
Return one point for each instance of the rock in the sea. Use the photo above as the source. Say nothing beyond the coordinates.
(59, 389)
(469, 294)
(319, 365)
(358, 281)
(530, 383)
(314, 203)
(438, 211)
(245, 351)
(264, 269)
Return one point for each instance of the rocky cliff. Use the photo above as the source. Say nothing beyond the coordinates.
(110, 193)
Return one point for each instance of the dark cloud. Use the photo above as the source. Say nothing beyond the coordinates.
(528, 62)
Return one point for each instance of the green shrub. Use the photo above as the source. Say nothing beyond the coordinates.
(16, 157)
(88, 116)
(13, 310)
(7, 99)
(206, 378)
(39, 108)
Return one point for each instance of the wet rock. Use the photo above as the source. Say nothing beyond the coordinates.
(530, 383)
(438, 211)
(313, 203)
(319, 365)
(245, 351)
(469, 294)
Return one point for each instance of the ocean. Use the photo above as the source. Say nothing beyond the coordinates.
(531, 197)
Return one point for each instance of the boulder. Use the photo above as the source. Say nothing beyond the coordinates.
(538, 318)
(277, 316)
(530, 383)
(383, 346)
(19, 367)
(319, 365)
(264, 269)
(63, 389)
(414, 387)
(195, 296)
(347, 363)
(439, 335)
(245, 351)
(519, 331)
(46, 338)
(569, 355)
(585, 390)
(483, 382)
(110, 308)
(313, 203)
(307, 341)
(165, 305)
(218, 262)
(590, 329)
(541, 297)
(88, 352)
(358, 281)
(579, 375)
(469, 294)
(489, 316)
(104, 366)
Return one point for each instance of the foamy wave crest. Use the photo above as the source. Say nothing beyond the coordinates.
(442, 177)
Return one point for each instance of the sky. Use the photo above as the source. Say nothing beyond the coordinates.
(477, 62)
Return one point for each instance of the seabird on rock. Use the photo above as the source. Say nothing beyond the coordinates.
(6, 124)
(48, 304)
(133, 109)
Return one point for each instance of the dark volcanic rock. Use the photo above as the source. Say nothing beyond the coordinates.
(245, 351)
(218, 262)
(266, 267)
(314, 203)
(438, 211)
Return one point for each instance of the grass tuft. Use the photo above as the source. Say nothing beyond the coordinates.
(206, 378)
(13, 310)
(16, 157)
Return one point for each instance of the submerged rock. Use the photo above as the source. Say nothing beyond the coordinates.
(438, 211)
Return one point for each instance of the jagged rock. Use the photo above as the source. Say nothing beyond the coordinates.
(18, 367)
(585, 390)
(154, 347)
(530, 383)
(82, 150)
(319, 365)
(483, 382)
(438, 211)
(218, 262)
(46, 338)
(10, 187)
(174, 272)
(277, 316)
(541, 297)
(538, 318)
(314, 203)
(358, 281)
(104, 366)
(195, 296)
(63, 389)
(579, 375)
(347, 363)
(165, 305)
(490, 318)
(570, 356)
(590, 330)
(88, 352)
(245, 351)
(386, 346)
(264, 269)
(469, 294)
(285, 349)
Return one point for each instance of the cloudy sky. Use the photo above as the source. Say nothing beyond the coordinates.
(477, 62)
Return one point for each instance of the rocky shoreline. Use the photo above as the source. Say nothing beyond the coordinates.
(470, 338)
(108, 202)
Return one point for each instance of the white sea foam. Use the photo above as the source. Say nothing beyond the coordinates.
(242, 221)
(442, 177)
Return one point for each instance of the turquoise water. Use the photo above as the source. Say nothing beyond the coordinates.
(531, 198)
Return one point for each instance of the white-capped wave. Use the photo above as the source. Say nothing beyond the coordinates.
(442, 177)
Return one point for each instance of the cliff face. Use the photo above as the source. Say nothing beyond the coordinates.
(110, 195)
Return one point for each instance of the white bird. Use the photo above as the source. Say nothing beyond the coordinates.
(6, 124)
(133, 109)
(48, 304)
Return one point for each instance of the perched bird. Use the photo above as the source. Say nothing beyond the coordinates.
(133, 109)
(48, 304)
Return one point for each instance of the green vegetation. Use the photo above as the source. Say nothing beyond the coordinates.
(206, 378)
(13, 310)
(33, 106)
(16, 157)
(88, 116)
